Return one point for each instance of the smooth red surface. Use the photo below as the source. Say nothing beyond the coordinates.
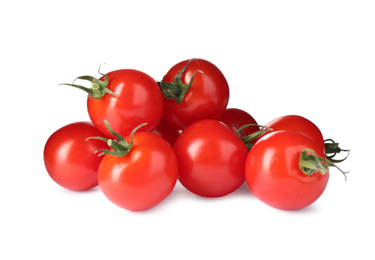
(235, 118)
(273, 173)
(142, 178)
(206, 99)
(169, 133)
(300, 125)
(211, 159)
(70, 159)
(140, 101)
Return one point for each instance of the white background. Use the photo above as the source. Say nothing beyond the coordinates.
(312, 58)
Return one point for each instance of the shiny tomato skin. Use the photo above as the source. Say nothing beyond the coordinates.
(235, 118)
(139, 101)
(211, 159)
(144, 177)
(69, 158)
(206, 99)
(299, 124)
(164, 130)
(273, 174)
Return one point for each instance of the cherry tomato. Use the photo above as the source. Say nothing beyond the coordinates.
(211, 158)
(300, 125)
(235, 118)
(273, 173)
(169, 133)
(70, 160)
(142, 178)
(207, 97)
(125, 98)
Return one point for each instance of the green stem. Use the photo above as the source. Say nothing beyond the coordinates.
(98, 87)
(120, 147)
(332, 149)
(310, 163)
(252, 137)
(177, 89)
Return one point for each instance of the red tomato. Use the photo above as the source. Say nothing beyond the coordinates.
(206, 99)
(300, 125)
(70, 160)
(211, 159)
(235, 118)
(169, 133)
(273, 173)
(125, 98)
(139, 100)
(142, 178)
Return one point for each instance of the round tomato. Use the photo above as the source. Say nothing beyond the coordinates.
(235, 118)
(70, 160)
(211, 159)
(169, 133)
(206, 98)
(143, 177)
(274, 175)
(300, 125)
(125, 98)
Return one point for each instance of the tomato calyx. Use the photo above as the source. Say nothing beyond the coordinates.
(332, 149)
(248, 140)
(98, 87)
(176, 90)
(310, 163)
(120, 147)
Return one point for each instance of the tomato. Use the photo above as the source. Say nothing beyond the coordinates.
(125, 98)
(300, 125)
(169, 133)
(211, 158)
(235, 118)
(141, 178)
(273, 173)
(207, 97)
(70, 160)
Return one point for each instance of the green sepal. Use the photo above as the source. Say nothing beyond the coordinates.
(119, 147)
(310, 163)
(332, 149)
(176, 90)
(253, 136)
(98, 87)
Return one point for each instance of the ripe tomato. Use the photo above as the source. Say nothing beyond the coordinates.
(169, 133)
(300, 125)
(125, 98)
(211, 159)
(142, 178)
(235, 118)
(70, 160)
(207, 97)
(273, 173)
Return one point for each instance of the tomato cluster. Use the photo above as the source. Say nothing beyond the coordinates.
(145, 135)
